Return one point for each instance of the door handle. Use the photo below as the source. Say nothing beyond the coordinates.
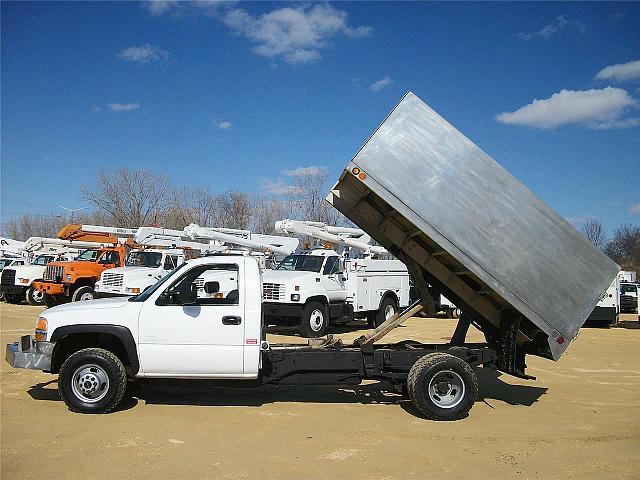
(231, 320)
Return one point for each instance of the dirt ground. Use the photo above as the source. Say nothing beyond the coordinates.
(579, 419)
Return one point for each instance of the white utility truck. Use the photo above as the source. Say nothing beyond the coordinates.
(608, 308)
(317, 286)
(16, 282)
(502, 269)
(145, 266)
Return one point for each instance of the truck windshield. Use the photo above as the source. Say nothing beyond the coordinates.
(4, 262)
(87, 256)
(304, 263)
(149, 291)
(624, 289)
(144, 259)
(42, 260)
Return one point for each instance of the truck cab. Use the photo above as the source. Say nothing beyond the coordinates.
(16, 283)
(75, 280)
(142, 268)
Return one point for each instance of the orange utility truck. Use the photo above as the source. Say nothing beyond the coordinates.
(75, 280)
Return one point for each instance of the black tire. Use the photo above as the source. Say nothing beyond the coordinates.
(378, 317)
(83, 291)
(34, 296)
(13, 298)
(451, 373)
(51, 300)
(92, 364)
(315, 320)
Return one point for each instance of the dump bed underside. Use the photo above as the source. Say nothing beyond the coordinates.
(430, 196)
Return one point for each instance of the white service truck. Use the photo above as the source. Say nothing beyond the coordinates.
(608, 308)
(464, 244)
(315, 287)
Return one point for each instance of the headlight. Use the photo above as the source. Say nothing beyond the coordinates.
(41, 329)
(26, 281)
(68, 277)
(295, 297)
(132, 290)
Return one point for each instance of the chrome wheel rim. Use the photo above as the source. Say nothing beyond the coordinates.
(86, 296)
(316, 320)
(37, 296)
(90, 383)
(389, 311)
(446, 389)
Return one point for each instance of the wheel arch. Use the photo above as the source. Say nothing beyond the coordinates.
(389, 294)
(317, 298)
(115, 338)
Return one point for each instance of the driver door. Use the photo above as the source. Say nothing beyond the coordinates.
(203, 339)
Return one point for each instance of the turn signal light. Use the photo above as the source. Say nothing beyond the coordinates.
(41, 329)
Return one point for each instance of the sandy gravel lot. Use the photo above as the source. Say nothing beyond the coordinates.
(579, 419)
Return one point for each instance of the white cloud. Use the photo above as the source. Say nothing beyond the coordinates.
(299, 171)
(158, 7)
(123, 107)
(225, 125)
(380, 84)
(143, 53)
(295, 34)
(277, 187)
(179, 8)
(595, 108)
(621, 72)
(551, 29)
(96, 108)
(635, 209)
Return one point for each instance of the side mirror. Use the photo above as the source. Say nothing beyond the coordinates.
(341, 265)
(212, 287)
(188, 294)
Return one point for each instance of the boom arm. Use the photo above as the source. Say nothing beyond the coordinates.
(339, 235)
(96, 233)
(164, 237)
(261, 243)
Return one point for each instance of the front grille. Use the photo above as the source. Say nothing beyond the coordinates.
(112, 279)
(199, 282)
(54, 273)
(273, 291)
(8, 276)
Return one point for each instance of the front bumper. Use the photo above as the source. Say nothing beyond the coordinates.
(50, 288)
(28, 353)
(282, 309)
(12, 289)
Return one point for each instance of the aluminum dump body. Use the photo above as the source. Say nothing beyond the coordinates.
(431, 196)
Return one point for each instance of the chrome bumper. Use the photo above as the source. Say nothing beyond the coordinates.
(28, 353)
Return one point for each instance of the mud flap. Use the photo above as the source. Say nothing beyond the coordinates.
(510, 355)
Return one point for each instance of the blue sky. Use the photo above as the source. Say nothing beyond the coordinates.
(236, 95)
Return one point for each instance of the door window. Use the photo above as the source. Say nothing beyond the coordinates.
(331, 266)
(212, 284)
(110, 257)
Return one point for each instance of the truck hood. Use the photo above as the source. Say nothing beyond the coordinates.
(28, 271)
(87, 305)
(136, 271)
(287, 276)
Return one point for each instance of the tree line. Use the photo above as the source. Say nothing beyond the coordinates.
(623, 246)
(129, 198)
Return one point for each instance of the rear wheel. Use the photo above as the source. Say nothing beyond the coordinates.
(388, 307)
(92, 380)
(34, 296)
(83, 293)
(442, 386)
(315, 320)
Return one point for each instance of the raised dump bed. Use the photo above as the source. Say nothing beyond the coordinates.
(519, 271)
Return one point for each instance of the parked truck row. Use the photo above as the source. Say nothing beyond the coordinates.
(428, 196)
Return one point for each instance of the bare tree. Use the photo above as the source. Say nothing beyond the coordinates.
(308, 195)
(265, 212)
(624, 247)
(594, 231)
(130, 198)
(234, 210)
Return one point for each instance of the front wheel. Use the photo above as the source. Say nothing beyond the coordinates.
(83, 293)
(388, 307)
(92, 380)
(12, 298)
(442, 386)
(34, 296)
(315, 320)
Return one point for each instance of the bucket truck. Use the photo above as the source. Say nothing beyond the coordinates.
(17, 281)
(145, 266)
(317, 286)
(75, 280)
